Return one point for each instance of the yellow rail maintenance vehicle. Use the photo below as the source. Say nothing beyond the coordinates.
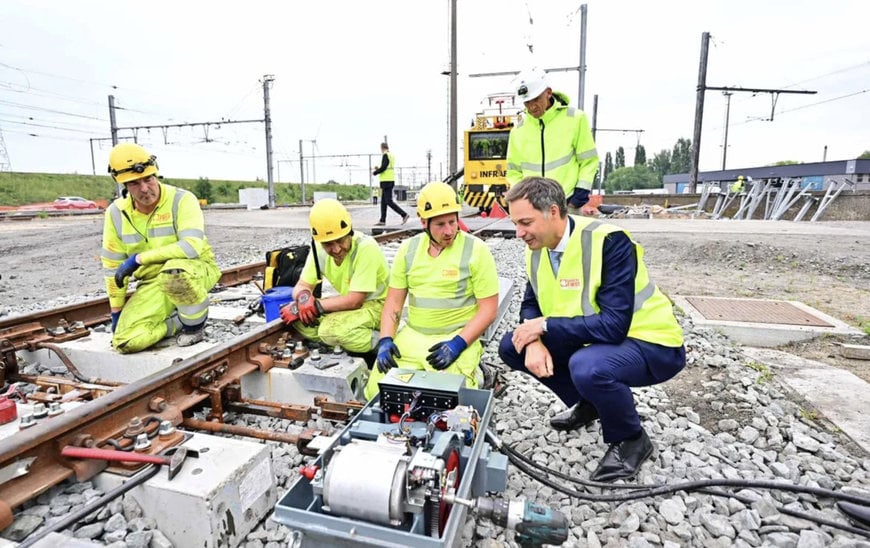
(486, 144)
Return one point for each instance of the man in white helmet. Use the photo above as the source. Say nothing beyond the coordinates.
(552, 140)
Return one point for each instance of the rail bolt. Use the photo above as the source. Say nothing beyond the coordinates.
(157, 404)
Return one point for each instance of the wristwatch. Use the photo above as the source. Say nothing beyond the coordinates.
(544, 325)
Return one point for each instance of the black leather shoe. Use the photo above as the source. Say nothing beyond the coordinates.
(578, 416)
(623, 459)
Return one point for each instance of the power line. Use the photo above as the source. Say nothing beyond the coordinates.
(31, 107)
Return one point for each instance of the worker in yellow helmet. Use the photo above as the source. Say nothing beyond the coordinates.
(450, 281)
(155, 233)
(355, 266)
(738, 185)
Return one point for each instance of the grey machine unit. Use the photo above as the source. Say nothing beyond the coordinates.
(380, 482)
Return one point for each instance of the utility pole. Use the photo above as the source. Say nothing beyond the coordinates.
(5, 163)
(699, 112)
(454, 144)
(267, 118)
(581, 91)
(727, 95)
(594, 115)
(428, 165)
(301, 172)
(699, 107)
(112, 124)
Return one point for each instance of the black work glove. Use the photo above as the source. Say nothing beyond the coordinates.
(387, 354)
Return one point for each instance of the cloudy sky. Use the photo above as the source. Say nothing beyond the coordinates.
(348, 73)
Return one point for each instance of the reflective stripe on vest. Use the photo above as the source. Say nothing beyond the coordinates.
(652, 320)
(460, 300)
(323, 256)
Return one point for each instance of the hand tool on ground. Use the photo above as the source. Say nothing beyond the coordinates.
(174, 457)
(252, 309)
(535, 524)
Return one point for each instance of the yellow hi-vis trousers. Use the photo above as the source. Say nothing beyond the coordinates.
(414, 347)
(349, 329)
(159, 307)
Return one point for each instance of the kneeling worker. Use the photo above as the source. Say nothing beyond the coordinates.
(594, 324)
(451, 283)
(156, 233)
(355, 266)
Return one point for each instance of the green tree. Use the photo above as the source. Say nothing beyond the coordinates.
(865, 155)
(632, 178)
(661, 164)
(681, 157)
(608, 167)
(202, 189)
(786, 163)
(639, 155)
(620, 158)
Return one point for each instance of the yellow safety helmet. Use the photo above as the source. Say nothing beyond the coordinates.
(129, 161)
(437, 198)
(329, 220)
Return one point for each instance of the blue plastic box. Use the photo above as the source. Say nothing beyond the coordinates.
(274, 299)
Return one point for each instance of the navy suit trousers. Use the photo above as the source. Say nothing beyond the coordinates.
(603, 374)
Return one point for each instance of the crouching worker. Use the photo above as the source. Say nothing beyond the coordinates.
(155, 233)
(355, 266)
(451, 283)
(593, 322)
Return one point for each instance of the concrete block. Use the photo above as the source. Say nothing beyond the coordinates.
(855, 351)
(94, 357)
(215, 500)
(767, 335)
(342, 382)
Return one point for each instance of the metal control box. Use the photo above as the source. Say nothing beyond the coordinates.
(482, 471)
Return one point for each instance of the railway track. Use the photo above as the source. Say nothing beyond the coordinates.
(114, 415)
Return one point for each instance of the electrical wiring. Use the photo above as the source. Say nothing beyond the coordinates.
(641, 491)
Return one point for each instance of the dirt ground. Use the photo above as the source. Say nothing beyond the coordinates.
(830, 276)
(46, 260)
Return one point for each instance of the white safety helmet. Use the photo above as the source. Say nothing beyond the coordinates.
(531, 83)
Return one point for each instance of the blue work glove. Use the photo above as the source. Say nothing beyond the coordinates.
(115, 316)
(127, 268)
(387, 354)
(579, 197)
(446, 352)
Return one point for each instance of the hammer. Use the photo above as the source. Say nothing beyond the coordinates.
(176, 458)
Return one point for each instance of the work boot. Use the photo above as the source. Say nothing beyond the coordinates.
(623, 459)
(405, 218)
(576, 417)
(379, 223)
(189, 338)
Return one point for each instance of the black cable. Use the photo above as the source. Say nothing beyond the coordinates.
(526, 465)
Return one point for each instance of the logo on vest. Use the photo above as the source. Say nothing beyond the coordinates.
(163, 218)
(450, 273)
(572, 283)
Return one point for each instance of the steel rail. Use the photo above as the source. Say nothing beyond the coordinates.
(166, 395)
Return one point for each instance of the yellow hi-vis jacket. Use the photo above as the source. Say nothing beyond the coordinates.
(558, 146)
(388, 175)
(174, 230)
(573, 292)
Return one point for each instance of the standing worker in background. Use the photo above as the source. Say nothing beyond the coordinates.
(451, 283)
(355, 266)
(387, 177)
(156, 233)
(593, 323)
(553, 140)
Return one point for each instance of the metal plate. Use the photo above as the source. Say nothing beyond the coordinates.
(744, 310)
